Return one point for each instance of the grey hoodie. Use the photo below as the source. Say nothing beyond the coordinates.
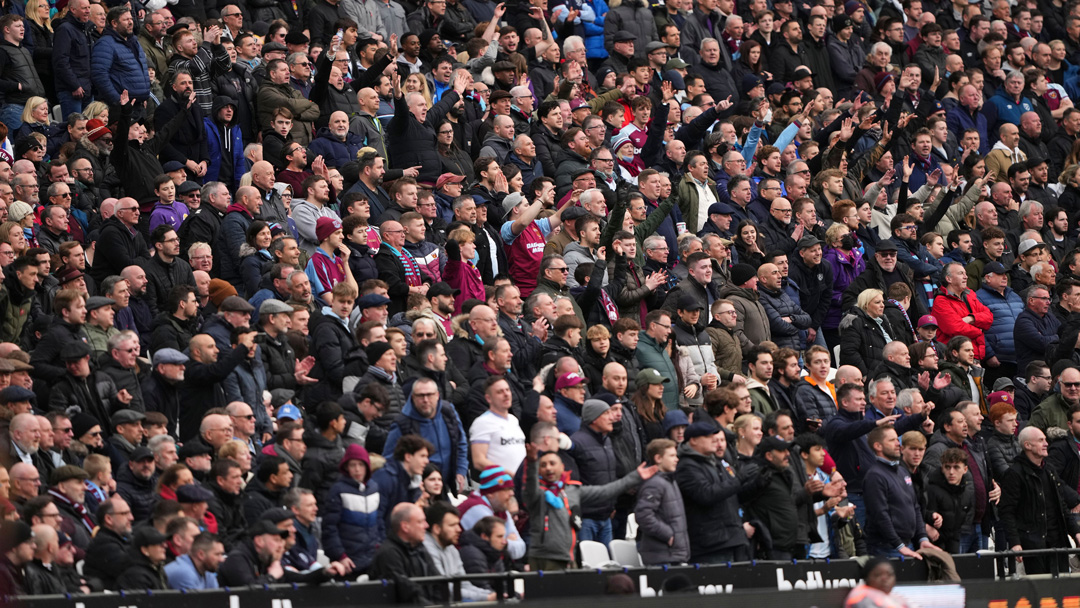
(576, 254)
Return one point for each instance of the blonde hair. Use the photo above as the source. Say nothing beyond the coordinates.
(424, 90)
(833, 234)
(462, 235)
(867, 296)
(28, 109)
(31, 14)
(597, 332)
(744, 421)
(95, 109)
(232, 448)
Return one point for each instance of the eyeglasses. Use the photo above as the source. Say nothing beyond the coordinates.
(424, 395)
(560, 269)
(784, 211)
(248, 417)
(605, 160)
(231, 15)
(1044, 378)
(912, 227)
(1047, 298)
(1070, 384)
(175, 239)
(66, 195)
(393, 231)
(135, 209)
(668, 326)
(65, 431)
(887, 254)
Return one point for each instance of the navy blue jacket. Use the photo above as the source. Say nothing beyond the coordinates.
(393, 483)
(352, 526)
(334, 151)
(844, 434)
(1032, 335)
(890, 498)
(71, 55)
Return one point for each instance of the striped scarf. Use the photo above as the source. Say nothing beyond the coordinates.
(412, 270)
(78, 507)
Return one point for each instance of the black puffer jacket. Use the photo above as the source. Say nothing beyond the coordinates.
(955, 504)
(479, 557)
(229, 511)
(141, 574)
(124, 379)
(320, 463)
(1002, 450)
(862, 340)
(139, 493)
(710, 492)
(259, 499)
(771, 496)
(279, 361)
(815, 287)
(118, 249)
(330, 343)
(107, 558)
(171, 332)
(162, 277)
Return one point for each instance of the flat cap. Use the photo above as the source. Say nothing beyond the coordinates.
(126, 417)
(274, 307)
(235, 304)
(96, 302)
(169, 356)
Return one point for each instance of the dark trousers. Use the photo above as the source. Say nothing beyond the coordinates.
(723, 556)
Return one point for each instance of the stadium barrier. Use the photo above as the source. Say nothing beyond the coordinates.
(816, 582)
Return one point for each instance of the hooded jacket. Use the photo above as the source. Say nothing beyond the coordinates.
(225, 145)
(351, 524)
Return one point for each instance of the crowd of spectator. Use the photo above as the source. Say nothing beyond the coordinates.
(299, 291)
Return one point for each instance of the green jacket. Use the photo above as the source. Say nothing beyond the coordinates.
(642, 230)
(97, 338)
(1052, 411)
(651, 354)
(687, 195)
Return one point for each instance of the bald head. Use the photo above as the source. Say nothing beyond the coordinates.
(846, 374)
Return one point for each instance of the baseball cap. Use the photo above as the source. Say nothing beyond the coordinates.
(1027, 245)
(927, 321)
(569, 379)
(442, 289)
(994, 267)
